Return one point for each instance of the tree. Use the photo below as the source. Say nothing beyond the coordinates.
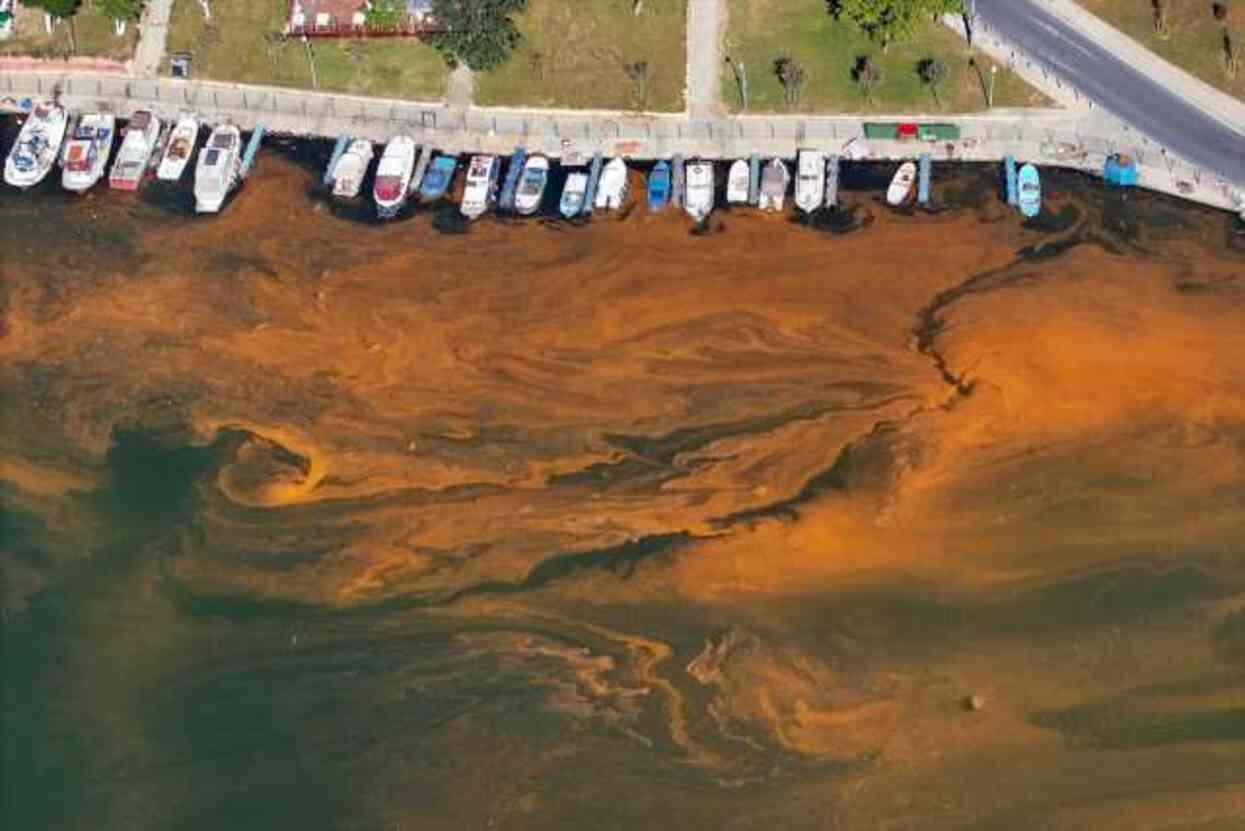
(888, 21)
(57, 8)
(791, 75)
(1160, 17)
(385, 14)
(638, 73)
(121, 9)
(478, 33)
(933, 72)
(868, 75)
(64, 10)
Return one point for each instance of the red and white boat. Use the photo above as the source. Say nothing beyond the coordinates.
(142, 135)
(86, 152)
(393, 176)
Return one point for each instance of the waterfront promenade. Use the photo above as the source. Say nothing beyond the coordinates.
(1076, 139)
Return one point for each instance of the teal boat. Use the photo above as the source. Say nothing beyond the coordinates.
(1029, 185)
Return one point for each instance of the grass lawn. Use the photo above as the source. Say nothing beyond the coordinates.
(574, 53)
(759, 31)
(242, 44)
(92, 30)
(1194, 41)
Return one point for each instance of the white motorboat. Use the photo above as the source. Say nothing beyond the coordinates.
(141, 137)
(37, 146)
(179, 149)
(480, 193)
(900, 189)
(573, 193)
(810, 180)
(393, 176)
(351, 169)
(698, 194)
(612, 185)
(218, 169)
(832, 182)
(738, 183)
(86, 155)
(774, 181)
(531, 188)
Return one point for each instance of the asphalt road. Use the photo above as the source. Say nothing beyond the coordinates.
(1146, 104)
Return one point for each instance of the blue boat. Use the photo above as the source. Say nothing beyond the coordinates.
(517, 161)
(437, 180)
(659, 187)
(1030, 191)
(1009, 171)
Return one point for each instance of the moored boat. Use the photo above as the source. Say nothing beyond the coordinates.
(774, 181)
(218, 169)
(659, 187)
(574, 190)
(810, 181)
(37, 146)
(510, 185)
(86, 155)
(531, 187)
(1030, 196)
(351, 169)
(612, 186)
(480, 194)
(179, 149)
(900, 190)
(393, 176)
(832, 182)
(141, 136)
(738, 182)
(698, 198)
(437, 179)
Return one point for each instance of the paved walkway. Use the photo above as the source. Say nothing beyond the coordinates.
(154, 33)
(1072, 139)
(461, 88)
(706, 26)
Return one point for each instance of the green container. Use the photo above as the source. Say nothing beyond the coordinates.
(875, 130)
(939, 132)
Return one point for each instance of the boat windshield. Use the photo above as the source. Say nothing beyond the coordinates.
(532, 183)
(223, 140)
(213, 156)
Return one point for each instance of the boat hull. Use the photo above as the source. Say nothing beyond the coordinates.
(574, 190)
(810, 185)
(738, 183)
(831, 186)
(659, 187)
(437, 180)
(530, 190)
(774, 183)
(612, 186)
(482, 185)
(130, 166)
(392, 185)
(219, 169)
(37, 146)
(901, 186)
(1030, 195)
(178, 150)
(698, 193)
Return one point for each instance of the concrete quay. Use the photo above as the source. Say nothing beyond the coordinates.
(1076, 139)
